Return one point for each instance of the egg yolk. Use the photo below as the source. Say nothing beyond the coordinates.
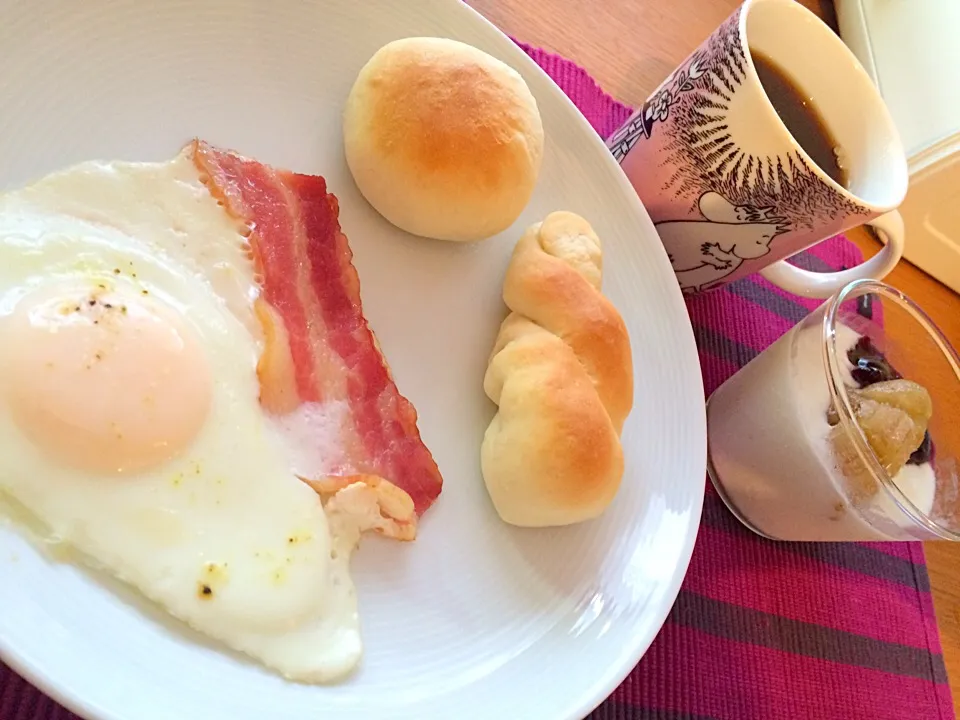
(104, 380)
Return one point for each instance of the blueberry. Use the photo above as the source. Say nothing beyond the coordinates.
(863, 348)
(869, 364)
(869, 372)
(924, 453)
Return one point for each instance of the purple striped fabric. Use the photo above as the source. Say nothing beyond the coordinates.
(760, 630)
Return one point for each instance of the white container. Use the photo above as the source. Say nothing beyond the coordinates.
(911, 50)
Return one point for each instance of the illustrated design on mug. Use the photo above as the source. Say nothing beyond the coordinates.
(724, 192)
(657, 108)
(727, 235)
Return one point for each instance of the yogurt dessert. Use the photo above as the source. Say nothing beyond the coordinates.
(787, 464)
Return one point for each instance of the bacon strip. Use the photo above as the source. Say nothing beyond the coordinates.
(319, 346)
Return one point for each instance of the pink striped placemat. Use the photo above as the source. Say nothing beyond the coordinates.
(760, 630)
(776, 631)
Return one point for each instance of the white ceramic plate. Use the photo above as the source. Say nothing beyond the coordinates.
(475, 619)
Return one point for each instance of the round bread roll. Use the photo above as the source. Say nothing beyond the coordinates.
(442, 139)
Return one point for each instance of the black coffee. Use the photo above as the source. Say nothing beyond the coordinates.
(801, 117)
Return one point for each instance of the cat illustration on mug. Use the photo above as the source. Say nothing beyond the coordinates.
(703, 252)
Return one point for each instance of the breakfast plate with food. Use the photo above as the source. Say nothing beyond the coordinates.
(342, 373)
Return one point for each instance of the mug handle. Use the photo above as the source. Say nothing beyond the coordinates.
(822, 285)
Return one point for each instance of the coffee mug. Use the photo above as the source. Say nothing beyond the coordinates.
(731, 189)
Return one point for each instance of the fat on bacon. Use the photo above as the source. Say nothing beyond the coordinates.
(318, 345)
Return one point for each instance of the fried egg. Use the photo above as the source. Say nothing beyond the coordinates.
(129, 417)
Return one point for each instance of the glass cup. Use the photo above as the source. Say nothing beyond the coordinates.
(821, 437)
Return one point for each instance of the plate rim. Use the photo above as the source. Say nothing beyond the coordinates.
(617, 672)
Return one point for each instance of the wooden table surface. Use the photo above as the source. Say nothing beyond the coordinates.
(630, 46)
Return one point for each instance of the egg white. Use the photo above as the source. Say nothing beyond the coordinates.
(223, 536)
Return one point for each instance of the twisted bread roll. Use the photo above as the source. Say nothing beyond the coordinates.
(561, 373)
